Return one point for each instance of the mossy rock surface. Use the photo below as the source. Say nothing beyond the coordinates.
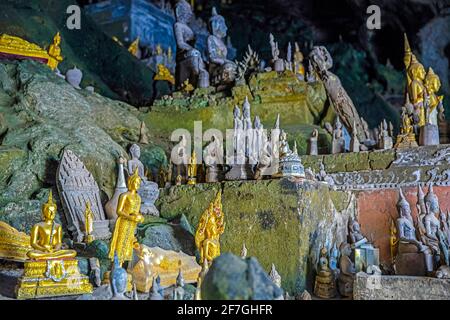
(280, 221)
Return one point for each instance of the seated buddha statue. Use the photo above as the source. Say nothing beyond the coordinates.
(222, 70)
(46, 236)
(325, 286)
(347, 271)
(409, 248)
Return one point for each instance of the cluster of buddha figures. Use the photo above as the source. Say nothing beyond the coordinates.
(255, 154)
(191, 67)
(338, 264)
(420, 247)
(423, 107)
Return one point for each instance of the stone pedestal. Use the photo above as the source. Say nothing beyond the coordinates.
(410, 264)
(325, 287)
(429, 135)
(369, 287)
(52, 278)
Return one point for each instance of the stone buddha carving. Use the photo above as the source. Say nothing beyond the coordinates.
(149, 190)
(430, 221)
(355, 235)
(408, 246)
(222, 70)
(190, 65)
(347, 271)
(46, 236)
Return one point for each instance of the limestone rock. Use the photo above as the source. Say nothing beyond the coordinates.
(232, 278)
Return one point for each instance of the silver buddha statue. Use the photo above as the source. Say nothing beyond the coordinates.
(222, 70)
(411, 252)
(190, 65)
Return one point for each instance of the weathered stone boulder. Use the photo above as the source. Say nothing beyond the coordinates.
(44, 115)
(233, 278)
(280, 221)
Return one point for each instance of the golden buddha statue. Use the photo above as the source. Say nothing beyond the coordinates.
(210, 227)
(192, 169)
(407, 60)
(325, 284)
(134, 47)
(54, 51)
(432, 85)
(128, 212)
(88, 223)
(46, 236)
(164, 74)
(416, 89)
(50, 270)
(298, 61)
(18, 48)
(406, 138)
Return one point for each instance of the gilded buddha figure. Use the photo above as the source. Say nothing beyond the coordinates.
(192, 169)
(433, 84)
(210, 227)
(46, 236)
(128, 212)
(50, 270)
(54, 51)
(325, 285)
(416, 90)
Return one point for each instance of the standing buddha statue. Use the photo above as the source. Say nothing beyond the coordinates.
(54, 51)
(192, 169)
(416, 89)
(433, 84)
(128, 212)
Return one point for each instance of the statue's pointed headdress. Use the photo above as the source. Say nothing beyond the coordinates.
(402, 202)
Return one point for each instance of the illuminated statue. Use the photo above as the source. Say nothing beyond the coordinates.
(128, 212)
(406, 138)
(210, 227)
(192, 169)
(89, 223)
(416, 89)
(54, 51)
(433, 84)
(46, 236)
(51, 270)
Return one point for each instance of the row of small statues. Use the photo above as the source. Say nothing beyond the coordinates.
(420, 247)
